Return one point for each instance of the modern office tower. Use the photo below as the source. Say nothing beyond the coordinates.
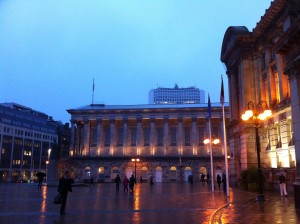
(176, 95)
(27, 138)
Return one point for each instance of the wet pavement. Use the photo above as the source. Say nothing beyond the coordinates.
(160, 203)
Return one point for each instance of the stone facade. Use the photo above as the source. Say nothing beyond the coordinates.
(263, 66)
(167, 140)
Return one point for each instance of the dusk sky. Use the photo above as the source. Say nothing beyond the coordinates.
(51, 50)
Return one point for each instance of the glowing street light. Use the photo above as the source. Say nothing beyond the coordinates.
(47, 163)
(257, 113)
(135, 160)
(210, 142)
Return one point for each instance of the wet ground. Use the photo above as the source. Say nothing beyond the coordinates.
(160, 203)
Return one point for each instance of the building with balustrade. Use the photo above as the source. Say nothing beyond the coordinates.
(167, 140)
(263, 70)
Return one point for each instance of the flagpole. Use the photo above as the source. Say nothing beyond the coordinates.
(210, 146)
(222, 99)
(211, 158)
(93, 92)
(225, 154)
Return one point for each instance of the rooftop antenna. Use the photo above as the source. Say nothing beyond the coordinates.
(93, 92)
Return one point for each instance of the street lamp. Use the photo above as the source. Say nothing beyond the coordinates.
(210, 142)
(257, 113)
(47, 163)
(135, 160)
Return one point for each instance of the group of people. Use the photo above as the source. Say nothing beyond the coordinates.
(223, 180)
(65, 185)
(126, 183)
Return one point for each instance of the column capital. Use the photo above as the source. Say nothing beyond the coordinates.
(139, 119)
(293, 69)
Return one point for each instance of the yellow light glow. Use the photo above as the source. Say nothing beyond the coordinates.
(268, 113)
(249, 113)
(206, 141)
(216, 141)
(245, 117)
(261, 117)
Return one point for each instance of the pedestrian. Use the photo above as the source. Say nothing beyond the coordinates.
(207, 177)
(141, 179)
(219, 180)
(202, 177)
(125, 184)
(64, 186)
(40, 180)
(151, 180)
(92, 181)
(224, 182)
(118, 181)
(131, 183)
(282, 185)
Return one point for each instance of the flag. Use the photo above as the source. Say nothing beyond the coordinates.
(209, 108)
(222, 92)
(93, 85)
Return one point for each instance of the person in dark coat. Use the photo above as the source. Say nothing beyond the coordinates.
(118, 181)
(131, 183)
(125, 183)
(219, 180)
(64, 186)
(224, 182)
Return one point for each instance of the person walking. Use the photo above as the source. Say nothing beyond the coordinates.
(224, 182)
(118, 181)
(151, 180)
(131, 183)
(92, 181)
(282, 185)
(219, 180)
(207, 178)
(125, 184)
(64, 186)
(40, 180)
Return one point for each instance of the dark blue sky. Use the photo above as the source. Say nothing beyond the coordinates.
(50, 51)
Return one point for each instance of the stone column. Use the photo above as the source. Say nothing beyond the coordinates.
(166, 134)
(194, 135)
(86, 138)
(112, 136)
(293, 72)
(72, 140)
(138, 135)
(99, 133)
(125, 134)
(180, 137)
(152, 135)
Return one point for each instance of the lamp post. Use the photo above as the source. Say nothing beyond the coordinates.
(210, 142)
(47, 163)
(257, 113)
(135, 160)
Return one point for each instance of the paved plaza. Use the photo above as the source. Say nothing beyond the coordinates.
(160, 203)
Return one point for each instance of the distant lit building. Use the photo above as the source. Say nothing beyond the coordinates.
(176, 95)
(26, 135)
(167, 139)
